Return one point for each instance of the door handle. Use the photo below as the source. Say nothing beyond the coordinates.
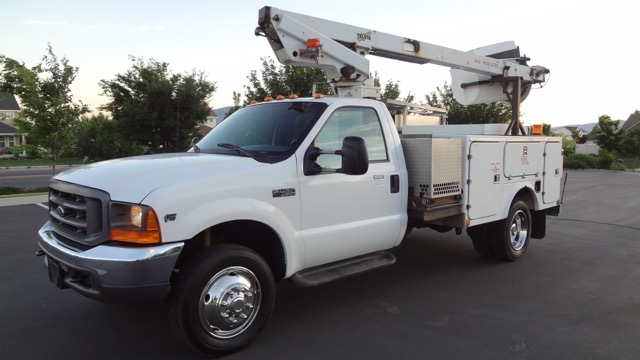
(395, 184)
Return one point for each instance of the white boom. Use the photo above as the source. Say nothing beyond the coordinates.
(340, 50)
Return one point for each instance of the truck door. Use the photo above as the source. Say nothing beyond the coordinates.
(348, 215)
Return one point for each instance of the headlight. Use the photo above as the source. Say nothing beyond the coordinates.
(133, 223)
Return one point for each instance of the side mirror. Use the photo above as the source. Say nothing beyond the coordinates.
(311, 167)
(355, 159)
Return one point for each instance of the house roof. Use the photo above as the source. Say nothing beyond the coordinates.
(571, 128)
(568, 129)
(6, 129)
(8, 102)
(632, 121)
(204, 129)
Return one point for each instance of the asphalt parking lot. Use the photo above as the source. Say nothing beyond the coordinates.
(575, 295)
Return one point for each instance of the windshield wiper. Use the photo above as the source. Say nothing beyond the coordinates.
(236, 148)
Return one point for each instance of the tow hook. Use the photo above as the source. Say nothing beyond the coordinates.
(39, 253)
(458, 231)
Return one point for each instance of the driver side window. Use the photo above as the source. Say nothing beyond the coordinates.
(351, 121)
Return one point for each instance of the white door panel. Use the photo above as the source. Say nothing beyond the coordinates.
(485, 189)
(348, 215)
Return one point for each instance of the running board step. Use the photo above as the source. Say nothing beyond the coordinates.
(342, 269)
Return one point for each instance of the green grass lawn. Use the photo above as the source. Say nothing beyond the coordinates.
(631, 163)
(8, 162)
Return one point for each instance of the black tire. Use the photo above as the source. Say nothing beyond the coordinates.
(512, 235)
(407, 232)
(223, 298)
(481, 237)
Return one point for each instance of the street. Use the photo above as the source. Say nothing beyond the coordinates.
(574, 295)
(28, 178)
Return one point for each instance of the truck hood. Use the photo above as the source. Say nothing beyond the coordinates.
(132, 179)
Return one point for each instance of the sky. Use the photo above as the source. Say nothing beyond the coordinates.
(591, 48)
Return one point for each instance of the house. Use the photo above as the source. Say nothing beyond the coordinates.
(589, 146)
(212, 117)
(632, 122)
(9, 110)
(586, 145)
(210, 123)
(204, 130)
(568, 130)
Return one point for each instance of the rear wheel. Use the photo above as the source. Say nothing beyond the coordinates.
(223, 298)
(512, 234)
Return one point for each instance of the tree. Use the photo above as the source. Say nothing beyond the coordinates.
(391, 90)
(48, 114)
(607, 134)
(98, 139)
(490, 113)
(281, 80)
(568, 145)
(630, 145)
(376, 79)
(236, 104)
(154, 108)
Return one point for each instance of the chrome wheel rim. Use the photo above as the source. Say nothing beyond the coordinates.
(229, 302)
(519, 230)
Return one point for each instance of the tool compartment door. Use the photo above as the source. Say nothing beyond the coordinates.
(485, 169)
(523, 159)
(552, 177)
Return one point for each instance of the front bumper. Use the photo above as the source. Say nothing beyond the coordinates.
(111, 273)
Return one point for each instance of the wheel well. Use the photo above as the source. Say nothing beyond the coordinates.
(252, 234)
(525, 195)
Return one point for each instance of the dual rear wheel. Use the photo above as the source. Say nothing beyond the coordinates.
(507, 239)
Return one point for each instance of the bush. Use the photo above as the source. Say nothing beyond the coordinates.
(605, 159)
(581, 161)
(618, 166)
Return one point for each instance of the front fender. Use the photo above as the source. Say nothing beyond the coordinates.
(268, 194)
(274, 217)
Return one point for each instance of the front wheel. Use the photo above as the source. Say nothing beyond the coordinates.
(223, 298)
(512, 235)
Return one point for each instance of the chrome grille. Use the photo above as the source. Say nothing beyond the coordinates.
(78, 213)
(68, 212)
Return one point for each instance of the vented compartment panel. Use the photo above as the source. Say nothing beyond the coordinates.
(434, 166)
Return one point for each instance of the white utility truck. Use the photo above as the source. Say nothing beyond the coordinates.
(310, 189)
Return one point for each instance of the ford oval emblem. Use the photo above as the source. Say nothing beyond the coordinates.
(60, 211)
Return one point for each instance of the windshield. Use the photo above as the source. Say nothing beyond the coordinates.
(272, 129)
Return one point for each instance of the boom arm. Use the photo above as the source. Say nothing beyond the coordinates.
(340, 50)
